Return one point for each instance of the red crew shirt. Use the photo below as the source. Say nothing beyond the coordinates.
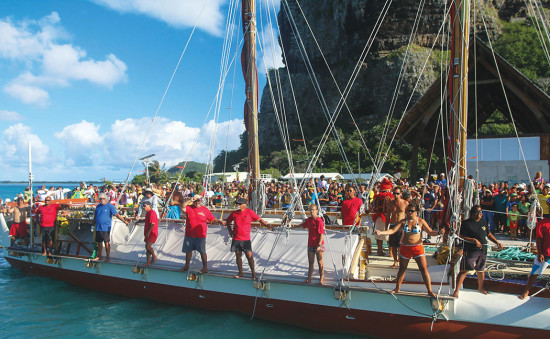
(315, 227)
(151, 220)
(48, 214)
(243, 222)
(350, 207)
(543, 232)
(197, 217)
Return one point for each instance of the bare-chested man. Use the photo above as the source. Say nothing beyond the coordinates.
(395, 212)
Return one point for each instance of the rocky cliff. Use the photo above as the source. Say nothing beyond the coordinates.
(342, 29)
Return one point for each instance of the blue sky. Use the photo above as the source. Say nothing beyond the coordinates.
(82, 79)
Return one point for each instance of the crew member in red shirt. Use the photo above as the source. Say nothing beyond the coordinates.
(48, 215)
(542, 260)
(350, 207)
(151, 231)
(240, 233)
(195, 231)
(316, 230)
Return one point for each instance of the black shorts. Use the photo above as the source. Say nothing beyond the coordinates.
(48, 234)
(395, 239)
(474, 260)
(241, 246)
(317, 249)
(102, 236)
(194, 244)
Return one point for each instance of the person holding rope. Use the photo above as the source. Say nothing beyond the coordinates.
(411, 246)
(195, 231)
(474, 231)
(242, 219)
(103, 215)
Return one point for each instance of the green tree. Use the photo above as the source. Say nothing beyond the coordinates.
(520, 45)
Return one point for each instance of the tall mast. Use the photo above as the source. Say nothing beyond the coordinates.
(31, 196)
(248, 61)
(460, 22)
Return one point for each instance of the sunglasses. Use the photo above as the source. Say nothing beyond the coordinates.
(396, 193)
(478, 211)
(411, 211)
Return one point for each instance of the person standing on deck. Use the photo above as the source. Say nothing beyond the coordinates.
(411, 246)
(379, 207)
(315, 243)
(103, 218)
(350, 207)
(474, 231)
(195, 231)
(18, 229)
(242, 218)
(542, 260)
(48, 214)
(151, 231)
(395, 212)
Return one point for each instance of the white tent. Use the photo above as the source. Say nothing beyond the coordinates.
(300, 176)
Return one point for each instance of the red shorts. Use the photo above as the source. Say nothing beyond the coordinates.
(513, 225)
(19, 230)
(152, 238)
(411, 251)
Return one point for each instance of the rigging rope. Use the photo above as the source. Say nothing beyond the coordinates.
(161, 101)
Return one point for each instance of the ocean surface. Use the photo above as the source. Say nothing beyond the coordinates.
(33, 306)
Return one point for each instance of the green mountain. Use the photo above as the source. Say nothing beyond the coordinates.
(191, 166)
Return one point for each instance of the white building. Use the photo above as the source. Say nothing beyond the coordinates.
(501, 159)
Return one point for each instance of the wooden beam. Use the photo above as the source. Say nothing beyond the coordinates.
(521, 95)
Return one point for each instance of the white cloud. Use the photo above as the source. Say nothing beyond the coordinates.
(176, 13)
(90, 153)
(14, 146)
(171, 141)
(80, 141)
(9, 115)
(27, 94)
(41, 45)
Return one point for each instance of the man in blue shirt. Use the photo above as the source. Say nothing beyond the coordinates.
(104, 213)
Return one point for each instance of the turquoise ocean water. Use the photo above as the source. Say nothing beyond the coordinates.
(34, 306)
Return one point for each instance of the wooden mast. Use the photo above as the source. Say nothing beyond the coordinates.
(251, 79)
(460, 21)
